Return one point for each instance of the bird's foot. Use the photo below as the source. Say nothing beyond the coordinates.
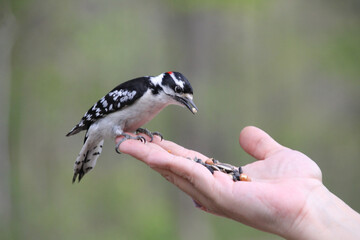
(126, 137)
(149, 134)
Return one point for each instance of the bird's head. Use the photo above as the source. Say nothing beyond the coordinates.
(177, 87)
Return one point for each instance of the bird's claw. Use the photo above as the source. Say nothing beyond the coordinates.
(126, 137)
(159, 135)
(149, 134)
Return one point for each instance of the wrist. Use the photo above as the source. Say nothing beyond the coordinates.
(326, 216)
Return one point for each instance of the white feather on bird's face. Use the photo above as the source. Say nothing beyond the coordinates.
(175, 85)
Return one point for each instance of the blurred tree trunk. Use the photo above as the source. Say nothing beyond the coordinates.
(7, 33)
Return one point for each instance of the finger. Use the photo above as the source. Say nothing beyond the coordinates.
(157, 157)
(201, 201)
(258, 143)
(181, 182)
(191, 177)
(118, 138)
(185, 185)
(138, 149)
(179, 150)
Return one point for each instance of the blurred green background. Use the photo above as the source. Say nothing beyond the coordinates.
(289, 67)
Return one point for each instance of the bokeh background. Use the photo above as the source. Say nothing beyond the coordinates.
(289, 67)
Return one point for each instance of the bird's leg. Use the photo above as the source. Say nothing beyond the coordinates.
(126, 137)
(148, 133)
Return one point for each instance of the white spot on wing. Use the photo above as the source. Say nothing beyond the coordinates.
(126, 96)
(124, 99)
(123, 95)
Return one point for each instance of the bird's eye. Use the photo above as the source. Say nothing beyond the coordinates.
(178, 89)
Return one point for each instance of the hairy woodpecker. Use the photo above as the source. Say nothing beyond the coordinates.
(125, 109)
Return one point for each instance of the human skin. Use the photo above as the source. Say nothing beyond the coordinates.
(285, 196)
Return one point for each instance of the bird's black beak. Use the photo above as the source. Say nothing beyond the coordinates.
(187, 102)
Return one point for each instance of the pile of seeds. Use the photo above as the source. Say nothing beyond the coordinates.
(212, 165)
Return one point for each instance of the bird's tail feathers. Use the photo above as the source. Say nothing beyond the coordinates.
(78, 128)
(87, 159)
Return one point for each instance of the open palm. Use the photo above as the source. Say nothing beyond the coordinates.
(282, 181)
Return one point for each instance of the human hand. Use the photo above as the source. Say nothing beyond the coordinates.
(284, 195)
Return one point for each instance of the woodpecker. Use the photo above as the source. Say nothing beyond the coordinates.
(125, 109)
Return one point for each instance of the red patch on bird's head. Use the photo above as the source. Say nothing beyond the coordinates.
(170, 72)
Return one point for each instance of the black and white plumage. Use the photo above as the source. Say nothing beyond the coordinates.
(125, 109)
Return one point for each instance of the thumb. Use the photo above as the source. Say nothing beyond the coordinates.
(258, 143)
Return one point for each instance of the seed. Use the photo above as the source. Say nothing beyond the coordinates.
(234, 178)
(244, 177)
(225, 167)
(209, 168)
(209, 161)
(236, 175)
(215, 168)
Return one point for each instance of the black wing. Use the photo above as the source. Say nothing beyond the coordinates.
(123, 95)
